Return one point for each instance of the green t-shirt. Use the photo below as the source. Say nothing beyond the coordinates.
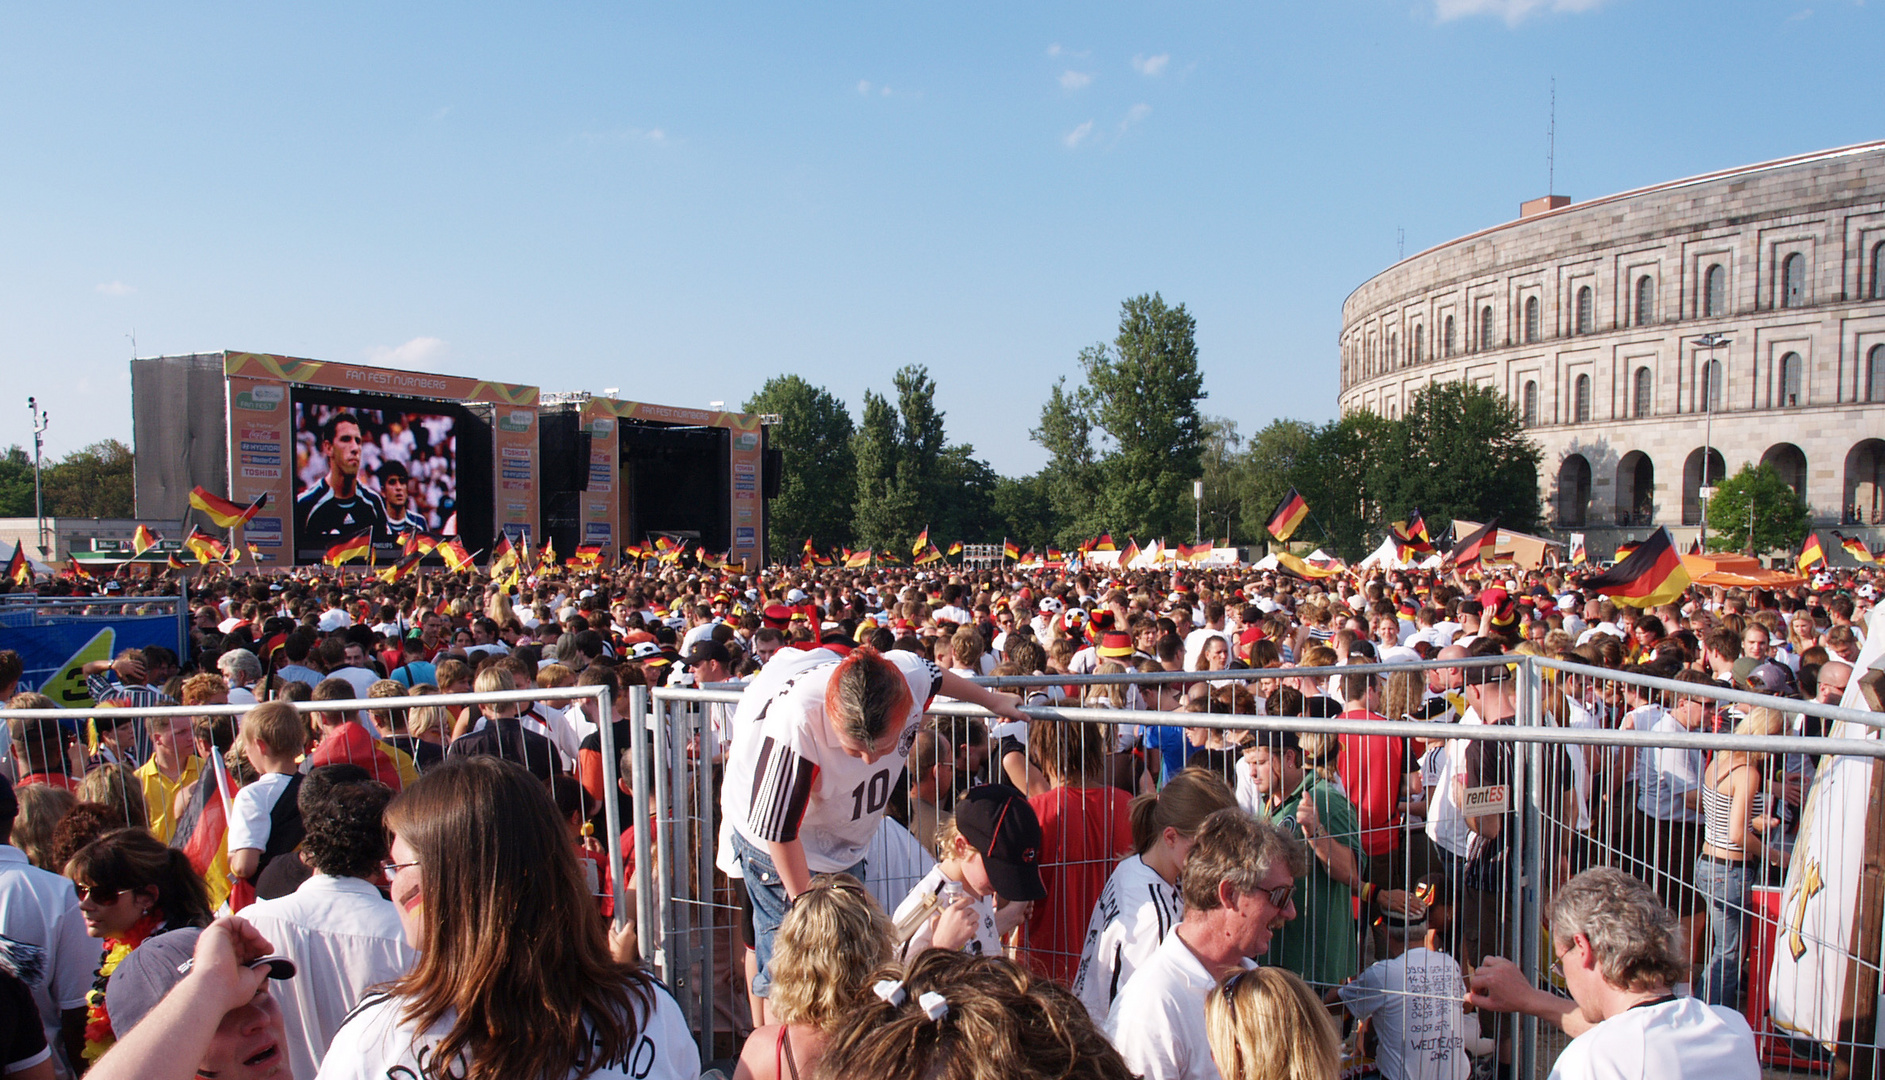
(1320, 943)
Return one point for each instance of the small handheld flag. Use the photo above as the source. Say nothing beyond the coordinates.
(1811, 552)
(1010, 550)
(143, 540)
(19, 571)
(455, 555)
(955, 548)
(1289, 516)
(349, 549)
(922, 542)
(1855, 547)
(224, 513)
(1467, 553)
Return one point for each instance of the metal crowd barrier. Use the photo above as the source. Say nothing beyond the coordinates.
(1572, 807)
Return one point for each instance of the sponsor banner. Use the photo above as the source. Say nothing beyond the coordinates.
(54, 653)
(598, 532)
(602, 417)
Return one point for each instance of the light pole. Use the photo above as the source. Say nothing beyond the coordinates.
(1197, 507)
(1710, 387)
(40, 420)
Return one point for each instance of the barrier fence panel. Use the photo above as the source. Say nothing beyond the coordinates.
(1483, 822)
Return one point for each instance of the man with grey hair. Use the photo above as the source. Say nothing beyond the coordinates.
(1239, 884)
(1617, 947)
(240, 669)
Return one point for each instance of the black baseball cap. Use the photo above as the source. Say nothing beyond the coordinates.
(998, 822)
(150, 971)
(704, 650)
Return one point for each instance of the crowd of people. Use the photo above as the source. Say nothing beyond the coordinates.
(414, 889)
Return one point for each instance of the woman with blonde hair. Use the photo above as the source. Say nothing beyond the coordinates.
(831, 942)
(42, 807)
(1141, 901)
(117, 786)
(1736, 815)
(1265, 1023)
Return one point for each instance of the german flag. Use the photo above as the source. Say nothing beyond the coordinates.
(588, 554)
(79, 573)
(255, 554)
(406, 564)
(173, 562)
(889, 558)
(634, 551)
(955, 548)
(1104, 543)
(929, 555)
(1479, 544)
(207, 548)
(1855, 547)
(546, 559)
(1651, 575)
(1054, 555)
(1127, 556)
(1289, 516)
(1810, 553)
(349, 549)
(857, 560)
(503, 554)
(143, 540)
(922, 542)
(1626, 549)
(1010, 550)
(1294, 564)
(456, 557)
(225, 514)
(1579, 554)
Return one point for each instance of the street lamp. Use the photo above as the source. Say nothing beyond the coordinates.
(1710, 387)
(40, 420)
(1197, 516)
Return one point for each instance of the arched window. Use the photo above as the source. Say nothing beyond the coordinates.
(1531, 403)
(1714, 291)
(1586, 313)
(1583, 399)
(1485, 327)
(1793, 280)
(1449, 335)
(1878, 270)
(1531, 319)
(1645, 386)
(1875, 374)
(1789, 380)
(1645, 300)
(1420, 343)
(1710, 397)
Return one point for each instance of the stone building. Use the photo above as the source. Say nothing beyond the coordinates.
(1658, 339)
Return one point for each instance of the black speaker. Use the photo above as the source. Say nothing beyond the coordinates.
(771, 472)
(563, 451)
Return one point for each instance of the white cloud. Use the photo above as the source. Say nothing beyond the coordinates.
(1800, 16)
(864, 86)
(622, 135)
(1078, 135)
(1155, 65)
(1074, 80)
(1512, 11)
(419, 353)
(114, 288)
(1134, 115)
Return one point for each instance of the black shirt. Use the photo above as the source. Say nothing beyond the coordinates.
(505, 737)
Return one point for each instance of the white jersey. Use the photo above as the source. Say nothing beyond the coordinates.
(373, 1045)
(1421, 1029)
(790, 779)
(1677, 1039)
(1446, 823)
(772, 680)
(986, 941)
(1157, 1021)
(1134, 913)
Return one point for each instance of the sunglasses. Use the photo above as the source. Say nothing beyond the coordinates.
(1281, 896)
(98, 894)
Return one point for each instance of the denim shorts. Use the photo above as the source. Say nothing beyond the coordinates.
(766, 891)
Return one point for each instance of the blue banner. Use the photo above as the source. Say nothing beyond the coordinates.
(55, 653)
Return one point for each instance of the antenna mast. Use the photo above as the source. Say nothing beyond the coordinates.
(1551, 143)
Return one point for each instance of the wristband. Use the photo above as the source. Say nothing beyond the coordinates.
(1368, 892)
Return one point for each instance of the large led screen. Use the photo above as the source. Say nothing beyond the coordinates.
(387, 469)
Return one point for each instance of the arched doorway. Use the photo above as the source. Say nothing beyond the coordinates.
(1693, 481)
(1636, 489)
(1573, 491)
(1865, 484)
(1788, 460)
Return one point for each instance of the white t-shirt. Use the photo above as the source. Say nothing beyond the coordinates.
(1157, 1021)
(249, 810)
(1666, 775)
(373, 1045)
(1446, 824)
(986, 941)
(773, 679)
(45, 941)
(1135, 911)
(895, 863)
(1420, 1026)
(799, 784)
(1673, 1040)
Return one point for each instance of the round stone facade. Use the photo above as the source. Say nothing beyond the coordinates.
(1734, 317)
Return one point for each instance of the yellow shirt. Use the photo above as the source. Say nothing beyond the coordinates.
(160, 793)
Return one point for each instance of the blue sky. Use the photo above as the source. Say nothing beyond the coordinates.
(684, 200)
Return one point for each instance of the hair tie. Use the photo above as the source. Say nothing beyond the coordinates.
(890, 990)
(934, 1005)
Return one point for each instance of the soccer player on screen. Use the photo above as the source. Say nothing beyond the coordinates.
(337, 505)
(396, 493)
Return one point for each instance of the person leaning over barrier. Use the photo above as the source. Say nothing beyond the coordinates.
(1620, 958)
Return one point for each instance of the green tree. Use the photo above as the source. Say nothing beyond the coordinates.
(1273, 462)
(964, 506)
(1460, 451)
(884, 506)
(1022, 512)
(1339, 477)
(818, 481)
(1070, 482)
(1225, 469)
(16, 483)
(93, 482)
(1143, 392)
(1779, 515)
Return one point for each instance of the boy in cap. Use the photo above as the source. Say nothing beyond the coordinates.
(992, 848)
(196, 1002)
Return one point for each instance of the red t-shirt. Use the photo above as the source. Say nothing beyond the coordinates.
(352, 744)
(1084, 832)
(1371, 768)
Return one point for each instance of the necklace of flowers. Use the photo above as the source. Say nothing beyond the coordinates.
(98, 1034)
